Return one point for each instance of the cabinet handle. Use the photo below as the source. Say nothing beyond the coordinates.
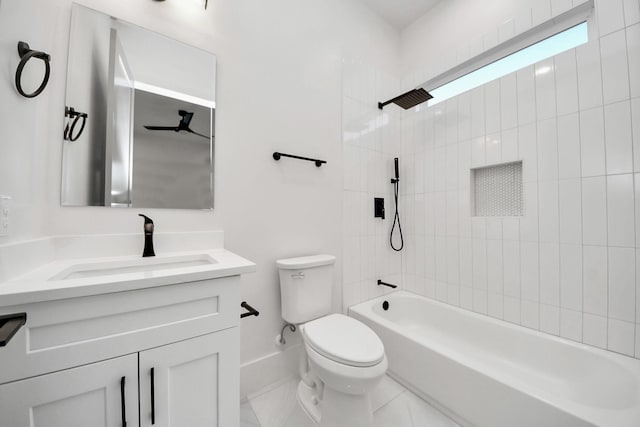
(9, 326)
(153, 396)
(124, 405)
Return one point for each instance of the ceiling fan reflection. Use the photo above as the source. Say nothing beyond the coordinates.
(183, 126)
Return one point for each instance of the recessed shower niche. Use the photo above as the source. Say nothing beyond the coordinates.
(140, 117)
(497, 190)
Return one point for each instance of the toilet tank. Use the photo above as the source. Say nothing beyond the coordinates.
(306, 285)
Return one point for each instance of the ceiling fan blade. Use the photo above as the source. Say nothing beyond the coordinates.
(199, 134)
(171, 128)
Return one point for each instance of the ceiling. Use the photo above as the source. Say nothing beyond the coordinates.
(400, 13)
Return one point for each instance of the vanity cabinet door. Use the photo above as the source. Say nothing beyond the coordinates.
(87, 396)
(192, 383)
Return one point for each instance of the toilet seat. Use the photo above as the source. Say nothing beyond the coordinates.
(344, 340)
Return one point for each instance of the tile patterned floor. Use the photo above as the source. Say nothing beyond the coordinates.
(393, 405)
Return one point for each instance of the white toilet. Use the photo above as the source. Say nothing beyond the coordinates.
(343, 359)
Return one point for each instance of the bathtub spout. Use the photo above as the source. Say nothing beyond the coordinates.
(381, 283)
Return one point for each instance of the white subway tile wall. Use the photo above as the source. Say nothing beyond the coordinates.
(570, 266)
(371, 139)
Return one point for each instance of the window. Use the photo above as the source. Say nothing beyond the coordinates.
(551, 46)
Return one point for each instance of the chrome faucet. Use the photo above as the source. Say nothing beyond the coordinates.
(148, 236)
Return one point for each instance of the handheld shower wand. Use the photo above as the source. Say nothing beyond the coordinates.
(396, 218)
(395, 162)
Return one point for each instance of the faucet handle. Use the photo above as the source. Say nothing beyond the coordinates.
(147, 220)
(148, 236)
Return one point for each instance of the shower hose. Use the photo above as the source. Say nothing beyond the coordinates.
(396, 219)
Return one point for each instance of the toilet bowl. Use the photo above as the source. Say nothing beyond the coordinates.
(346, 360)
(342, 358)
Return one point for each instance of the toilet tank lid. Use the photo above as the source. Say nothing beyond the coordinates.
(305, 262)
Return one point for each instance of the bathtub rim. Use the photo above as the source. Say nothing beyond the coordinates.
(579, 410)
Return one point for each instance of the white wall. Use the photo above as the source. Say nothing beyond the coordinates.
(568, 266)
(278, 88)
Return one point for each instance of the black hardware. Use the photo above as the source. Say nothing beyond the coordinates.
(380, 282)
(26, 54)
(153, 396)
(397, 169)
(148, 236)
(74, 117)
(250, 310)
(278, 155)
(10, 324)
(409, 99)
(378, 207)
(385, 305)
(396, 217)
(123, 403)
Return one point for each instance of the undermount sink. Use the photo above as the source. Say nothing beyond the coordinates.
(141, 265)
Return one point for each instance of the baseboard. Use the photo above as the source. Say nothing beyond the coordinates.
(264, 371)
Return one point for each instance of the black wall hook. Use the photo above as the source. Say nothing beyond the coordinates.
(26, 53)
(74, 116)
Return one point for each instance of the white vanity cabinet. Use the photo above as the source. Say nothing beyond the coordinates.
(87, 396)
(195, 382)
(65, 366)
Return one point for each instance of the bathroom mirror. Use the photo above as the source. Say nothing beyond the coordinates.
(139, 118)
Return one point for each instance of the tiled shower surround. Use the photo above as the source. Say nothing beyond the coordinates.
(570, 265)
(567, 266)
(371, 139)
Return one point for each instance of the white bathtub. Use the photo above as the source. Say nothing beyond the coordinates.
(485, 372)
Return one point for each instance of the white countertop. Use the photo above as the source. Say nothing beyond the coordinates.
(37, 285)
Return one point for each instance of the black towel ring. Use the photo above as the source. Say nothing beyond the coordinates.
(26, 54)
(75, 116)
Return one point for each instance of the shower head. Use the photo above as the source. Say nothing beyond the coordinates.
(409, 99)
